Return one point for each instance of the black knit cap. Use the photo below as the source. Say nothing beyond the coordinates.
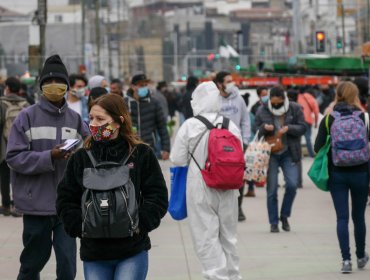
(54, 68)
(139, 78)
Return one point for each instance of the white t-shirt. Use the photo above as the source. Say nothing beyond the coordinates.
(75, 106)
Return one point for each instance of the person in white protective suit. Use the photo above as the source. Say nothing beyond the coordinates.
(213, 214)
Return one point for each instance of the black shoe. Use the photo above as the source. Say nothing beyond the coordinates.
(241, 216)
(285, 223)
(274, 228)
(5, 211)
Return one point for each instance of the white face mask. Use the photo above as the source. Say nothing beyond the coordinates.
(79, 93)
(229, 88)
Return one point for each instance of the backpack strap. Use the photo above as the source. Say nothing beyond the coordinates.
(91, 157)
(206, 122)
(225, 123)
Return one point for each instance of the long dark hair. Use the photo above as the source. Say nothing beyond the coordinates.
(115, 106)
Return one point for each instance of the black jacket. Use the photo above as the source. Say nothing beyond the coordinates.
(255, 107)
(321, 140)
(147, 117)
(151, 192)
(294, 119)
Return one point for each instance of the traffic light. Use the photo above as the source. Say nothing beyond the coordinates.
(237, 67)
(320, 41)
(339, 43)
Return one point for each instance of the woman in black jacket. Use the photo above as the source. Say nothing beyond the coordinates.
(351, 179)
(113, 140)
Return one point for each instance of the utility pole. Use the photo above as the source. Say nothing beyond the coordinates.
(109, 31)
(368, 22)
(42, 19)
(297, 26)
(343, 29)
(83, 38)
(119, 31)
(97, 34)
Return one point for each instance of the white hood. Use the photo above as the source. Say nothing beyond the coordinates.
(206, 99)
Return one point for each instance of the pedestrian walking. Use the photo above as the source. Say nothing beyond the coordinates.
(116, 87)
(311, 116)
(212, 212)
(348, 168)
(98, 81)
(114, 242)
(77, 98)
(191, 84)
(282, 121)
(10, 106)
(234, 108)
(37, 165)
(146, 114)
(250, 192)
(262, 93)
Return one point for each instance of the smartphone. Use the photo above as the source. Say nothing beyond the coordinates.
(70, 144)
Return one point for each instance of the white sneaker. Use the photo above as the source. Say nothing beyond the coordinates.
(346, 266)
(361, 263)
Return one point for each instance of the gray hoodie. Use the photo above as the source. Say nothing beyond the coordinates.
(234, 108)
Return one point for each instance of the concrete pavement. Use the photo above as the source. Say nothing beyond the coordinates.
(309, 252)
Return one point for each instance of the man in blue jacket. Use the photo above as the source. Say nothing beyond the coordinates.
(37, 164)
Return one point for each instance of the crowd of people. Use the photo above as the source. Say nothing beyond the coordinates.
(110, 191)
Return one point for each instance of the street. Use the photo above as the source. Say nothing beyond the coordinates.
(309, 252)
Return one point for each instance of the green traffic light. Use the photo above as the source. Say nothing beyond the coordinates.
(237, 67)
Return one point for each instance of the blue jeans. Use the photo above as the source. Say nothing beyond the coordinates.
(307, 136)
(40, 234)
(341, 185)
(291, 174)
(134, 268)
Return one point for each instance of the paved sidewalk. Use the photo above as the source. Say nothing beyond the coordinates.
(309, 252)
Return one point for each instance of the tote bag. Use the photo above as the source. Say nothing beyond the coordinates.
(257, 158)
(319, 172)
(177, 203)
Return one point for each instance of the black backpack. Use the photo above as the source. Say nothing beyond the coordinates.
(109, 205)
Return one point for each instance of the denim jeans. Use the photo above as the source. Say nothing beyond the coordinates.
(40, 234)
(342, 184)
(134, 268)
(307, 136)
(291, 173)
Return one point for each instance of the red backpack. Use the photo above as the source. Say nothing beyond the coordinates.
(224, 167)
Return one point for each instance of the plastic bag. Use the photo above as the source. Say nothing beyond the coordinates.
(257, 158)
(177, 203)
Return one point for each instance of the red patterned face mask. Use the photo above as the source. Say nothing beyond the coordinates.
(102, 132)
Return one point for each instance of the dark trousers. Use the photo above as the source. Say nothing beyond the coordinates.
(40, 235)
(5, 184)
(341, 185)
(240, 198)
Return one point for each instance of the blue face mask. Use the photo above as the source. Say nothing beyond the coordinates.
(265, 99)
(142, 92)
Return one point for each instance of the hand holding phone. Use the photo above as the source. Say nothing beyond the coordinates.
(70, 144)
